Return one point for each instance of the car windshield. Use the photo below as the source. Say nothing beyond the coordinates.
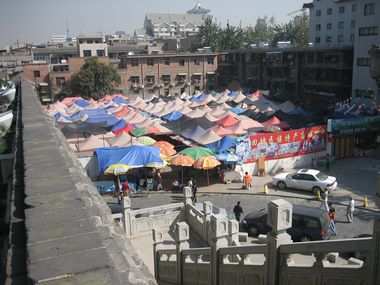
(322, 176)
(290, 175)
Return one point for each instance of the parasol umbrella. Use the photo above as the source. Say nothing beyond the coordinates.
(146, 140)
(164, 144)
(206, 162)
(182, 160)
(117, 169)
(166, 151)
(197, 152)
(227, 157)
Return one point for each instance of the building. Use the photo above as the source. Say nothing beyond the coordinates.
(168, 73)
(198, 10)
(348, 23)
(92, 46)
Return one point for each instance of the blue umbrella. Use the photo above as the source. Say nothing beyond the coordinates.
(227, 157)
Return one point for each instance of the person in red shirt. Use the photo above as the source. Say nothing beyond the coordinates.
(125, 189)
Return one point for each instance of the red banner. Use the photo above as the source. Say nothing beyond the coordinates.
(282, 144)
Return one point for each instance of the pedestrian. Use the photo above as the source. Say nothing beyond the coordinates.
(175, 185)
(125, 189)
(247, 181)
(350, 210)
(332, 216)
(194, 190)
(327, 163)
(159, 181)
(238, 210)
(325, 203)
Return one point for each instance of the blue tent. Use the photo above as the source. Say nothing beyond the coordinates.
(82, 103)
(110, 120)
(236, 110)
(232, 94)
(119, 100)
(173, 116)
(119, 125)
(134, 156)
(223, 145)
(194, 132)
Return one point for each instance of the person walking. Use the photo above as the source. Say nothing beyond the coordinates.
(325, 203)
(247, 181)
(332, 216)
(327, 163)
(194, 190)
(350, 210)
(238, 211)
(159, 181)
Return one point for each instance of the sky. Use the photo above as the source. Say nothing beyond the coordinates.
(36, 21)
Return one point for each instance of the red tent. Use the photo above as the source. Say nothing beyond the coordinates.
(276, 122)
(256, 94)
(126, 129)
(122, 112)
(227, 121)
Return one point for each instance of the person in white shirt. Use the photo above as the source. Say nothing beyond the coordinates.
(350, 210)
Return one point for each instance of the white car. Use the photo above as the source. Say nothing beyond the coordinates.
(306, 179)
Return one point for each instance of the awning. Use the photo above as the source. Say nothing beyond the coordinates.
(166, 74)
(197, 73)
(210, 72)
(182, 74)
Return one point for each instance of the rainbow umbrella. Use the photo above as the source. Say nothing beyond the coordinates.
(146, 140)
(206, 162)
(197, 152)
(117, 169)
(182, 160)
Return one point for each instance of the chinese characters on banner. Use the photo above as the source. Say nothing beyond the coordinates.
(282, 144)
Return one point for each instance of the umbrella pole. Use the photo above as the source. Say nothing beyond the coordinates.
(182, 174)
(208, 179)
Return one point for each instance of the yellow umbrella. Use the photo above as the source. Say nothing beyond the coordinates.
(206, 162)
(117, 169)
(182, 160)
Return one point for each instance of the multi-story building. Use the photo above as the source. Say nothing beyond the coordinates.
(169, 73)
(348, 22)
(92, 46)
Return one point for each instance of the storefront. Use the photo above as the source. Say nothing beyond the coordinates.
(353, 136)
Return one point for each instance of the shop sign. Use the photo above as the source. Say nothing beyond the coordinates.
(353, 125)
(281, 144)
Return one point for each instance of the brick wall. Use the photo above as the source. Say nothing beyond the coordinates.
(36, 72)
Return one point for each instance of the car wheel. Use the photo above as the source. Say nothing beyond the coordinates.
(305, 238)
(253, 230)
(281, 184)
(315, 190)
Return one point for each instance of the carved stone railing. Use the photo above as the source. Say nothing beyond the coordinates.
(321, 269)
(167, 266)
(196, 266)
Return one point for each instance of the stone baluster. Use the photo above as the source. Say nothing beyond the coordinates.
(182, 234)
(127, 216)
(207, 211)
(187, 195)
(280, 219)
(157, 245)
(219, 238)
(233, 233)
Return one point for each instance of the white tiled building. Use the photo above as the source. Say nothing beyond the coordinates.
(348, 22)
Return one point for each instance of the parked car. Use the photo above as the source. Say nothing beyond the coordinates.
(308, 224)
(306, 179)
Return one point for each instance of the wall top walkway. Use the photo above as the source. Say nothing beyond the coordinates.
(71, 236)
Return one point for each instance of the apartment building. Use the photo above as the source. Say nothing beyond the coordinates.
(169, 73)
(92, 46)
(349, 22)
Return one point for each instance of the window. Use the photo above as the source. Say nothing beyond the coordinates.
(363, 61)
(100, 52)
(181, 62)
(87, 53)
(317, 40)
(353, 7)
(340, 38)
(329, 11)
(353, 23)
(181, 77)
(341, 10)
(196, 61)
(135, 79)
(328, 26)
(166, 61)
(210, 60)
(308, 177)
(36, 73)
(318, 27)
(60, 81)
(150, 62)
(368, 31)
(352, 37)
(166, 78)
(318, 13)
(369, 9)
(328, 39)
(341, 25)
(311, 223)
(135, 62)
(150, 79)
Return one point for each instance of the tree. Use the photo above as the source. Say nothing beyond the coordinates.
(94, 80)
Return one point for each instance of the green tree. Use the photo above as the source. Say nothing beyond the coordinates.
(94, 80)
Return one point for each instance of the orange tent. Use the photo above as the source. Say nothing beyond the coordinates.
(227, 121)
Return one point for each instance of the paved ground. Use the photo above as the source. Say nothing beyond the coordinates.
(356, 177)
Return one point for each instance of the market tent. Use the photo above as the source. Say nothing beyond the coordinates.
(205, 108)
(92, 143)
(124, 129)
(220, 131)
(300, 111)
(239, 97)
(236, 110)
(193, 132)
(217, 112)
(227, 121)
(185, 123)
(238, 129)
(107, 135)
(276, 122)
(124, 111)
(223, 145)
(133, 156)
(185, 110)
(210, 117)
(195, 113)
(172, 116)
(146, 123)
(82, 103)
(162, 130)
(119, 100)
(286, 107)
(248, 123)
(137, 118)
(208, 137)
(122, 140)
(223, 98)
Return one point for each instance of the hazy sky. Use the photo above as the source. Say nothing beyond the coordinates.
(37, 20)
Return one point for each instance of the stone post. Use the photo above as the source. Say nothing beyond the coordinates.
(280, 219)
(207, 211)
(219, 238)
(182, 234)
(157, 245)
(187, 194)
(233, 233)
(127, 216)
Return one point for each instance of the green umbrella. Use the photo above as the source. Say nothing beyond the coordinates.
(197, 152)
(146, 140)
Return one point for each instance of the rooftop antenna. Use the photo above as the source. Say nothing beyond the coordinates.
(67, 28)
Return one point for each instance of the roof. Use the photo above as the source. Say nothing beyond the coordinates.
(63, 50)
(309, 171)
(308, 211)
(198, 9)
(176, 18)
